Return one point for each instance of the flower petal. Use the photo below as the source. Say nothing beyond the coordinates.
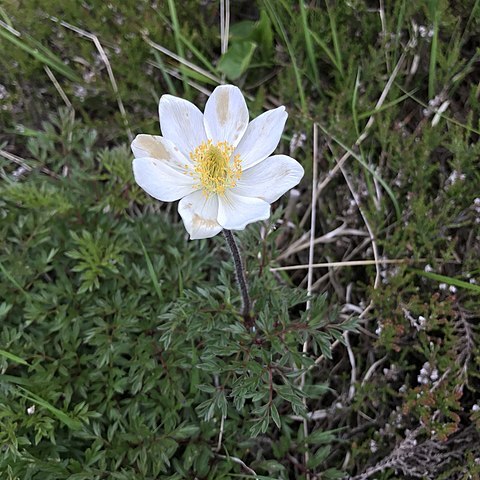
(154, 146)
(235, 212)
(226, 115)
(199, 214)
(162, 181)
(181, 123)
(270, 179)
(261, 137)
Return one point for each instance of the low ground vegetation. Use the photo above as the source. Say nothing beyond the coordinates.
(122, 353)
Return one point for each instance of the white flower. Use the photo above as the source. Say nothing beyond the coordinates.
(217, 163)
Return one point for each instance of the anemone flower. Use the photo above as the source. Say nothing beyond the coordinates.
(217, 164)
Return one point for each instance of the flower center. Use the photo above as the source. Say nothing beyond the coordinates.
(214, 166)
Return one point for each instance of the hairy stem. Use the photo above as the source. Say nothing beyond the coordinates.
(241, 279)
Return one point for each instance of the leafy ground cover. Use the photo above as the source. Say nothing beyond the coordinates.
(122, 353)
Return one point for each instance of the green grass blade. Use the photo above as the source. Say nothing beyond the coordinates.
(472, 16)
(386, 106)
(71, 423)
(354, 103)
(13, 357)
(200, 57)
(161, 66)
(274, 17)
(327, 51)
(434, 11)
(187, 72)
(51, 60)
(187, 68)
(151, 272)
(448, 280)
(12, 279)
(15, 380)
(195, 51)
(5, 17)
(380, 180)
(445, 117)
(308, 44)
(178, 43)
(336, 43)
(56, 61)
(400, 19)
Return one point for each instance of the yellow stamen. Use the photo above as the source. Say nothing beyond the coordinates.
(214, 167)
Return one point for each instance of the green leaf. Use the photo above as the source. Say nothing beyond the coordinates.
(271, 465)
(237, 59)
(319, 437)
(264, 35)
(320, 456)
(14, 380)
(4, 309)
(275, 415)
(185, 432)
(316, 390)
(242, 31)
(333, 473)
(259, 32)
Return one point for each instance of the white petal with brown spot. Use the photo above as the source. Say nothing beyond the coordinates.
(226, 115)
(199, 214)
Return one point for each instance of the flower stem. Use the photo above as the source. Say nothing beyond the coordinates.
(241, 279)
